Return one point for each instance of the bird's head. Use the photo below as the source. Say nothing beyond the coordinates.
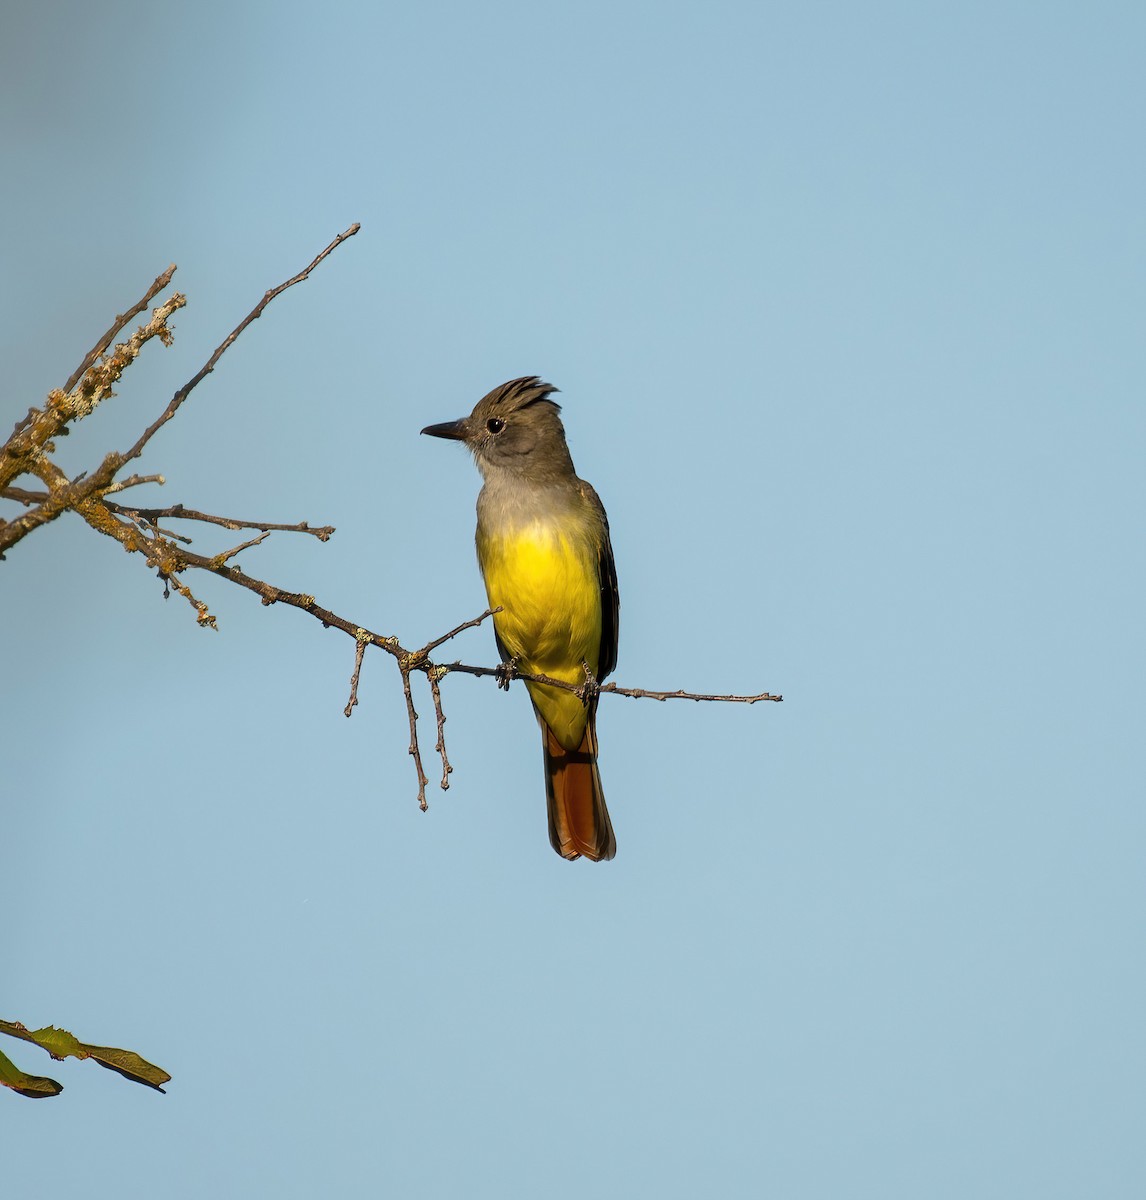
(515, 428)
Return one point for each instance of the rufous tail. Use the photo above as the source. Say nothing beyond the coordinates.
(578, 819)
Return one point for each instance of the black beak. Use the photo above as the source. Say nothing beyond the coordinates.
(455, 431)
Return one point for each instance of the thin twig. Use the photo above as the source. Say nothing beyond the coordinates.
(359, 651)
(435, 678)
(180, 511)
(229, 554)
(415, 750)
(499, 672)
(161, 281)
(256, 312)
(149, 527)
(23, 495)
(202, 613)
(431, 646)
(643, 694)
(131, 481)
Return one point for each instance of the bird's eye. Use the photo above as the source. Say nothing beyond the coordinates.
(495, 424)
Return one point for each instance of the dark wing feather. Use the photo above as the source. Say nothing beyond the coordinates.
(610, 596)
(610, 611)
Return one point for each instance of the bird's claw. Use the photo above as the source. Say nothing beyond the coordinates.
(506, 673)
(590, 689)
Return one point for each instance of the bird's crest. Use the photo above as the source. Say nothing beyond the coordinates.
(520, 393)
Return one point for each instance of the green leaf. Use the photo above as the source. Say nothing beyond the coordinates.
(35, 1087)
(61, 1044)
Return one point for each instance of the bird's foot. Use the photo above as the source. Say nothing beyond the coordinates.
(590, 689)
(506, 673)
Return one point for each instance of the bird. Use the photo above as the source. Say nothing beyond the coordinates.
(547, 562)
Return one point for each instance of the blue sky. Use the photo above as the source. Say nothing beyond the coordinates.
(846, 305)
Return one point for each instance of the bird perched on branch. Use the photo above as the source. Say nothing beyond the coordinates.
(544, 552)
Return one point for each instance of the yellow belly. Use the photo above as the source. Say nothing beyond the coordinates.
(547, 585)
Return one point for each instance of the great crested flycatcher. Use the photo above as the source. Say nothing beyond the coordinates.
(544, 552)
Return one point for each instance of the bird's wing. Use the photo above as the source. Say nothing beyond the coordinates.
(610, 596)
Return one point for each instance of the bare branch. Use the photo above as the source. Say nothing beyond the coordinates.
(435, 678)
(432, 646)
(229, 554)
(31, 440)
(499, 672)
(202, 614)
(415, 750)
(642, 694)
(419, 660)
(148, 527)
(62, 497)
(181, 512)
(256, 312)
(161, 281)
(359, 651)
(121, 485)
(26, 450)
(22, 495)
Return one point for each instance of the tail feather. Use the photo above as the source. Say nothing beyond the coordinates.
(578, 819)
